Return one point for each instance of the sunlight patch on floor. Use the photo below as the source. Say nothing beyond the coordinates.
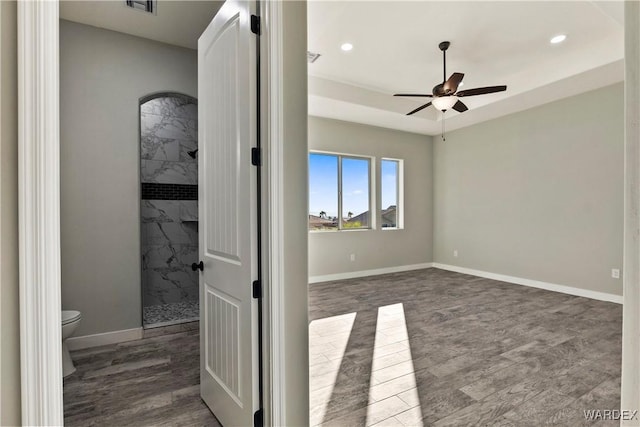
(328, 340)
(392, 373)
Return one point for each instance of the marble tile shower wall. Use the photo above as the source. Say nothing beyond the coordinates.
(169, 227)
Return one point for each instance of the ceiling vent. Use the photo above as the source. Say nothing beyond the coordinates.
(311, 57)
(148, 6)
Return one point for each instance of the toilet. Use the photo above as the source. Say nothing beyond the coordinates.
(70, 322)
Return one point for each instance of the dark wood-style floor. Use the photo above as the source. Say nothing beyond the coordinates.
(427, 347)
(150, 382)
(437, 348)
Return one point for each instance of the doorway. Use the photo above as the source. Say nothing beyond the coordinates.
(128, 121)
(430, 360)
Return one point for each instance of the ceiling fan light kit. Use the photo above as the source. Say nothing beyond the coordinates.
(444, 103)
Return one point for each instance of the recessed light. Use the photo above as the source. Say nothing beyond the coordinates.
(346, 47)
(558, 39)
(461, 84)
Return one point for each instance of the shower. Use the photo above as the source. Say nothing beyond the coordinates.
(169, 208)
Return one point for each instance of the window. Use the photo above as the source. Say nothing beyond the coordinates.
(390, 181)
(355, 193)
(339, 192)
(323, 192)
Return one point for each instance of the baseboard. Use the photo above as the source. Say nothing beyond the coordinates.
(96, 340)
(601, 296)
(365, 273)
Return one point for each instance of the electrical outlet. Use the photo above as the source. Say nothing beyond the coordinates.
(455, 253)
(615, 273)
(352, 257)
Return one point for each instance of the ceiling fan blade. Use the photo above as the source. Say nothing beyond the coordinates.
(460, 107)
(419, 95)
(481, 90)
(419, 109)
(451, 85)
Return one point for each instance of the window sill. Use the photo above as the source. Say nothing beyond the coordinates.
(340, 231)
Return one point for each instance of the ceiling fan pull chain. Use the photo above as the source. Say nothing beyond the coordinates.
(443, 116)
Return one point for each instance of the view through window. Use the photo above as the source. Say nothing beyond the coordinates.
(355, 193)
(390, 183)
(339, 192)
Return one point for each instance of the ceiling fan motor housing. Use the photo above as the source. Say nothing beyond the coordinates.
(438, 90)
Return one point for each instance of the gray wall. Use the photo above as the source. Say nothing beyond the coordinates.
(329, 252)
(536, 194)
(9, 316)
(103, 76)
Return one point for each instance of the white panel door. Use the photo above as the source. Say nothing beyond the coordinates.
(227, 217)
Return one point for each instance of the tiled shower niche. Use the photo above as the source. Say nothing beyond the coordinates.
(169, 209)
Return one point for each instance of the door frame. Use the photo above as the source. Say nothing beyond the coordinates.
(39, 212)
(272, 134)
(630, 393)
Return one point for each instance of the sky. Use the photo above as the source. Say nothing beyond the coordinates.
(389, 183)
(323, 185)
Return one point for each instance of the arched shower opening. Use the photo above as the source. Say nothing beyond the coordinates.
(169, 208)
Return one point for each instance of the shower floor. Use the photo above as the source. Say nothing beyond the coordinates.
(155, 316)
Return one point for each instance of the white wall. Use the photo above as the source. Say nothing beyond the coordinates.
(103, 74)
(329, 252)
(630, 393)
(536, 194)
(294, 262)
(9, 316)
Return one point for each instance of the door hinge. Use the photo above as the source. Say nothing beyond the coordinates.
(255, 24)
(257, 289)
(256, 156)
(258, 420)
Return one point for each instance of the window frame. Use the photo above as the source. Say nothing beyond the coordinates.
(371, 160)
(399, 194)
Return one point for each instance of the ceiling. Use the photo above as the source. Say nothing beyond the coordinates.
(179, 23)
(493, 43)
(396, 50)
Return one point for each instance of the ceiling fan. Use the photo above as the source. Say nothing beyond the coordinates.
(445, 95)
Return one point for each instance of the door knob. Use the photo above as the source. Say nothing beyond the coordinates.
(198, 266)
